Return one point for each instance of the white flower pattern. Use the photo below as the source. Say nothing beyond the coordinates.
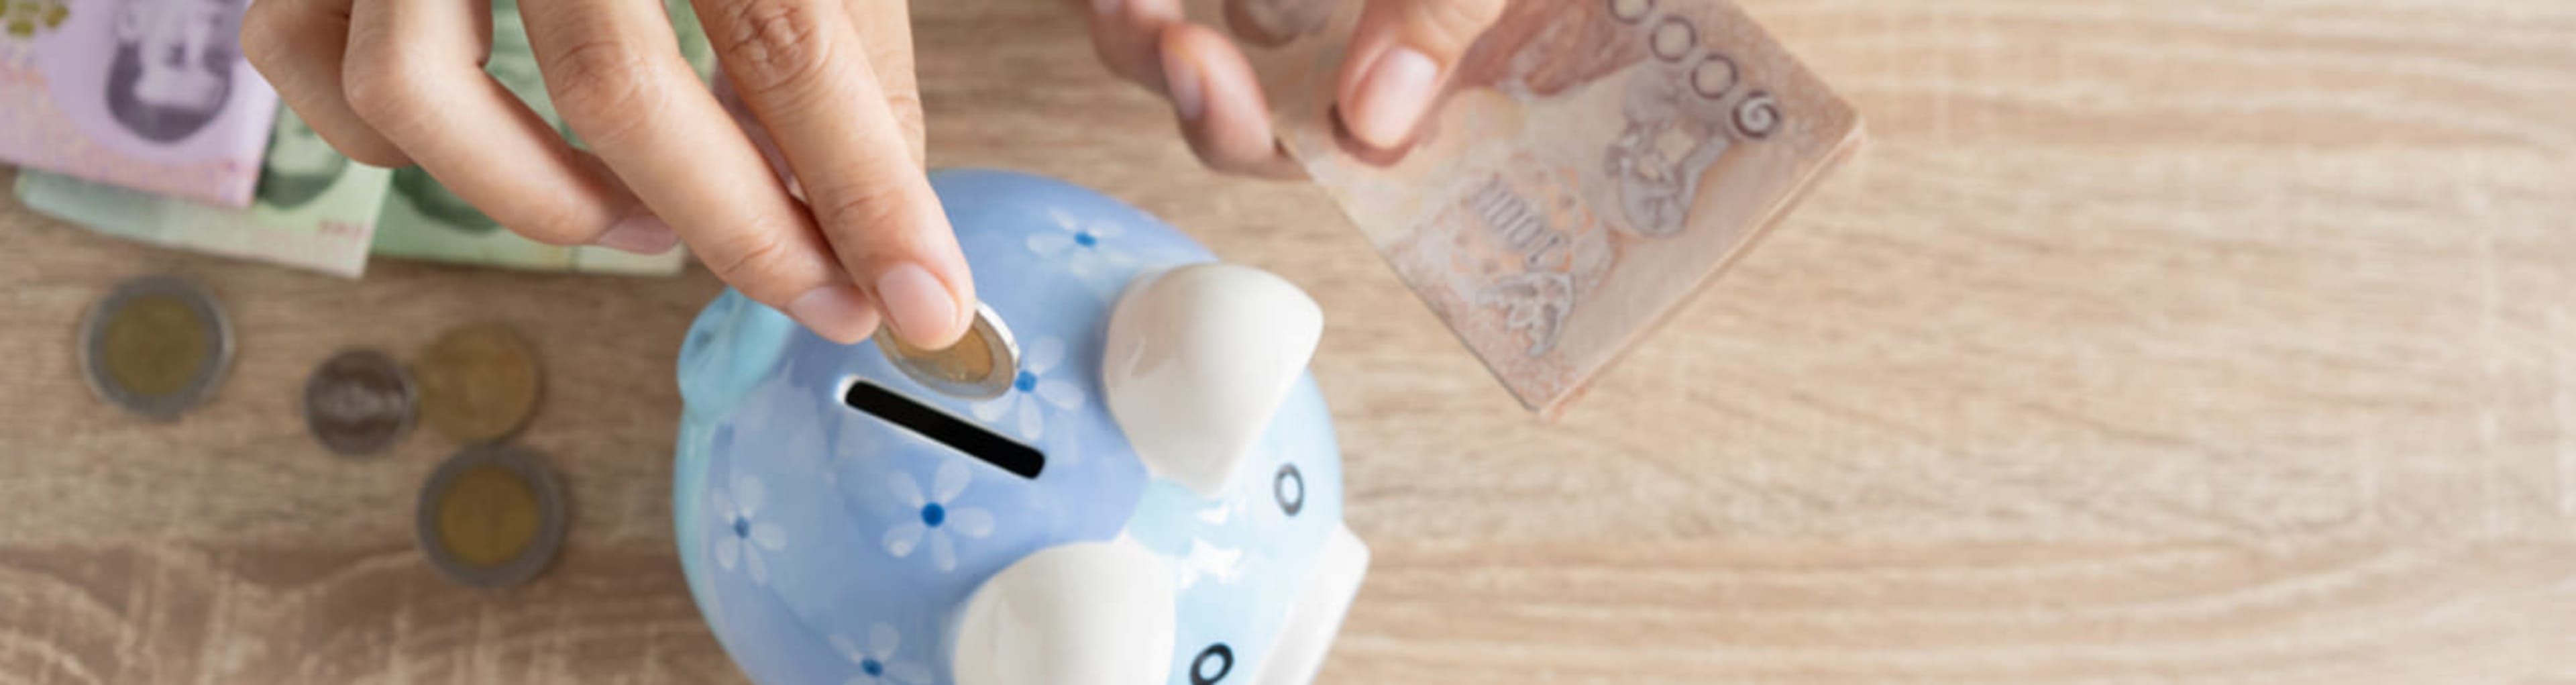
(1079, 244)
(743, 539)
(936, 522)
(877, 665)
(1032, 385)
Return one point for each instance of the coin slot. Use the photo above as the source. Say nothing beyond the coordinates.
(929, 422)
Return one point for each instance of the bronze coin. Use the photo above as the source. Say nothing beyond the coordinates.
(478, 383)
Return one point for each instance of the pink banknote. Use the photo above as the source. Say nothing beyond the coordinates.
(1592, 165)
(151, 95)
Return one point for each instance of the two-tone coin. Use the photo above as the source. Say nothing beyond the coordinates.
(156, 346)
(478, 383)
(359, 402)
(981, 365)
(491, 517)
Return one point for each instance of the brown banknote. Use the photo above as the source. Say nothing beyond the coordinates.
(1592, 164)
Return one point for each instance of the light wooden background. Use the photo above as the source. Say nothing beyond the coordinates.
(2187, 341)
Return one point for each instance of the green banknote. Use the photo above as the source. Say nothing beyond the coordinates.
(314, 209)
(423, 220)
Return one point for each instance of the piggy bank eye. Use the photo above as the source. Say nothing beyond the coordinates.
(1212, 664)
(929, 422)
(1289, 487)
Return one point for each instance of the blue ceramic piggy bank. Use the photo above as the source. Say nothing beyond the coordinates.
(1154, 499)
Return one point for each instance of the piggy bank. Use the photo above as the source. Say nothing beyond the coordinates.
(1154, 499)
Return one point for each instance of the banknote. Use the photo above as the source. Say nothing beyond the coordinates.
(1590, 166)
(146, 94)
(423, 220)
(314, 208)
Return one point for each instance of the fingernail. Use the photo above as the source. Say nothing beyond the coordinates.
(644, 234)
(838, 312)
(1182, 79)
(1392, 96)
(917, 305)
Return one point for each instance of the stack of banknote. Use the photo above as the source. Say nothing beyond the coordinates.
(1590, 165)
(245, 178)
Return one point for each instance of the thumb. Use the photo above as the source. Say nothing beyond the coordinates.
(1399, 57)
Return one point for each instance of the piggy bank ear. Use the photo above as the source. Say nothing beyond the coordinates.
(1197, 359)
(1090, 613)
(732, 346)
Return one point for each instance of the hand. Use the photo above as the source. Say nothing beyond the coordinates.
(397, 82)
(1400, 55)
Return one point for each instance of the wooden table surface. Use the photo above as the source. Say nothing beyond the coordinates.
(2189, 341)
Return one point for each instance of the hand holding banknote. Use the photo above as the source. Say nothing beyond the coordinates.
(1401, 54)
(858, 241)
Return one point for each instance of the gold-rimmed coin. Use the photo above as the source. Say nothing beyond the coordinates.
(491, 517)
(981, 365)
(156, 346)
(478, 383)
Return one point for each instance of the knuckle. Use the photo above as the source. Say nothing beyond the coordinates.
(763, 252)
(383, 86)
(860, 210)
(267, 31)
(771, 46)
(906, 106)
(603, 86)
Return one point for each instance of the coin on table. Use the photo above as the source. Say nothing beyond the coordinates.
(478, 383)
(981, 365)
(156, 346)
(358, 402)
(491, 517)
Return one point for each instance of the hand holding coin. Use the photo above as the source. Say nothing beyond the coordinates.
(859, 238)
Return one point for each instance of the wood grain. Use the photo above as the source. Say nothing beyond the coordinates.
(2197, 341)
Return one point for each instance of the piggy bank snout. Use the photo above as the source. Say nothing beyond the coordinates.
(1091, 613)
(1197, 359)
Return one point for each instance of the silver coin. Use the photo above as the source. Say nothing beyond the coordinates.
(156, 346)
(359, 402)
(491, 517)
(981, 365)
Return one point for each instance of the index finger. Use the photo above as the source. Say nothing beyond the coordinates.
(614, 70)
(806, 70)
